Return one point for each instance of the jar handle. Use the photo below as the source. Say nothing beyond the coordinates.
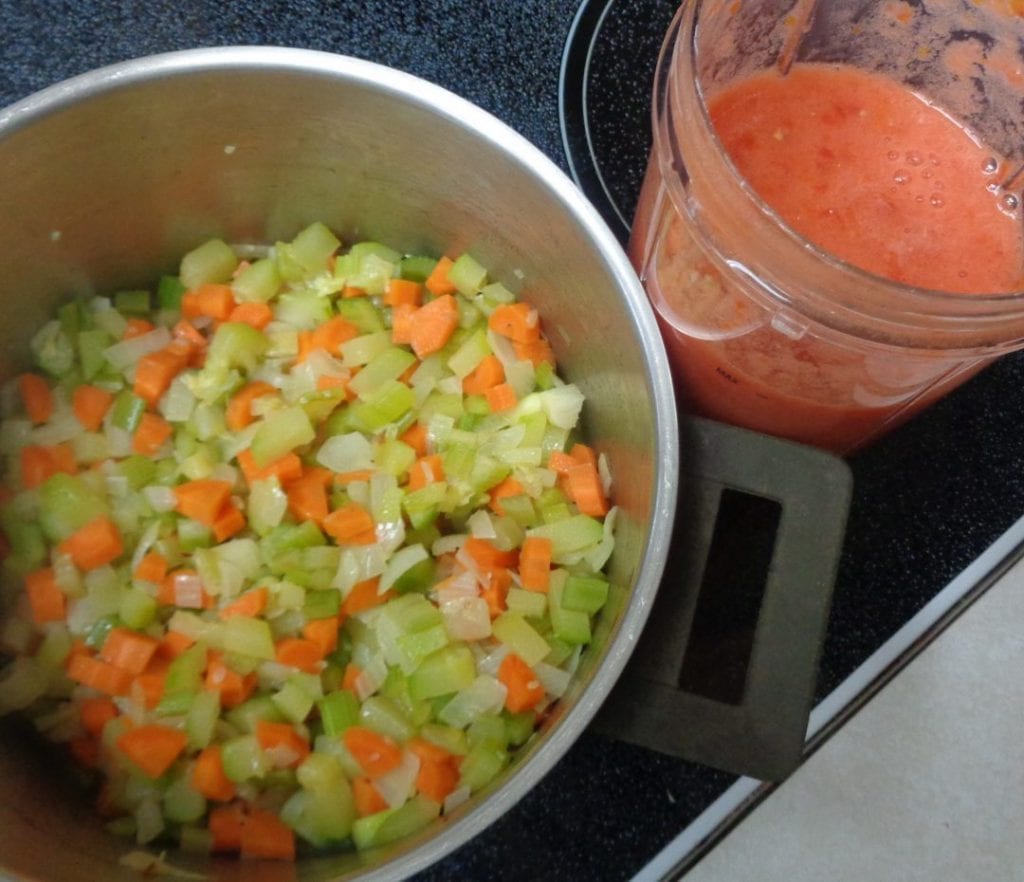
(725, 671)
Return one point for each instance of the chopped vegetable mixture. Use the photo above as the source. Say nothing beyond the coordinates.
(299, 548)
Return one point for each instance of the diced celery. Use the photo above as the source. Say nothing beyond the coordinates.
(530, 604)
(363, 314)
(181, 803)
(195, 840)
(338, 711)
(168, 292)
(481, 765)
(193, 535)
(267, 505)
(568, 625)
(373, 271)
(132, 302)
(520, 637)
(139, 470)
(249, 637)
(416, 267)
(243, 758)
(451, 739)
(55, 646)
(363, 349)
(201, 719)
(469, 355)
(421, 506)
(445, 671)
(67, 502)
(571, 535)
(213, 261)
(383, 715)
(324, 815)
(311, 248)
(184, 677)
(261, 708)
(52, 350)
(419, 577)
(519, 727)
(322, 603)
(259, 281)
(388, 403)
(467, 275)
(393, 824)
(388, 364)
(236, 344)
(137, 609)
(394, 457)
(127, 410)
(521, 509)
(488, 729)
(92, 344)
(584, 593)
(303, 310)
(110, 320)
(279, 433)
(27, 546)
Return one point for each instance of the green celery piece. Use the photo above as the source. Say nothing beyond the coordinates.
(521, 509)
(169, 291)
(54, 649)
(303, 310)
(193, 840)
(496, 294)
(307, 254)
(469, 355)
(467, 275)
(445, 671)
(281, 547)
(545, 376)
(259, 281)
(383, 715)
(520, 637)
(279, 433)
(481, 765)
(321, 772)
(394, 457)
(584, 593)
(570, 535)
(92, 345)
(139, 470)
(416, 267)
(360, 250)
(261, 708)
(372, 273)
(419, 644)
(184, 675)
(568, 625)
(451, 739)
(67, 502)
(321, 604)
(137, 609)
(489, 730)
(250, 637)
(388, 403)
(193, 535)
(362, 313)
(338, 711)
(319, 405)
(236, 344)
(419, 577)
(73, 318)
(132, 302)
(470, 422)
(201, 719)
(529, 604)
(391, 825)
(519, 727)
(127, 410)
(28, 549)
(294, 700)
(363, 349)
(441, 403)
(213, 261)
(389, 364)
(323, 816)
(175, 704)
(52, 350)
(243, 758)
(97, 635)
(182, 804)
(458, 460)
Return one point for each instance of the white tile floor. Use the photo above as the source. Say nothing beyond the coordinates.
(926, 782)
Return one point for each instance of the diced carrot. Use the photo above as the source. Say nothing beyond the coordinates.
(324, 633)
(239, 409)
(250, 604)
(152, 568)
(586, 490)
(152, 747)
(517, 321)
(402, 291)
(96, 713)
(377, 754)
(298, 652)
(128, 650)
(426, 470)
(150, 685)
(209, 779)
(174, 643)
(152, 432)
(38, 463)
(155, 371)
(508, 487)
(328, 336)
(437, 282)
(232, 686)
(524, 689)
(495, 592)
(435, 780)
(36, 396)
(501, 397)
(561, 462)
(416, 437)
(63, 458)
(407, 374)
(47, 601)
(351, 291)
(364, 595)
(427, 751)
(351, 525)
(287, 468)
(202, 499)
(90, 405)
(535, 563)
(185, 330)
(94, 545)
(254, 313)
(265, 835)
(85, 750)
(325, 382)
(307, 497)
(225, 823)
(343, 478)
(537, 351)
(230, 521)
(368, 800)
(487, 374)
(176, 590)
(403, 323)
(213, 300)
(487, 556)
(282, 738)
(99, 675)
(136, 327)
(351, 675)
(433, 325)
(583, 454)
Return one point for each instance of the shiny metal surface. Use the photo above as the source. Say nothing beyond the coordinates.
(107, 178)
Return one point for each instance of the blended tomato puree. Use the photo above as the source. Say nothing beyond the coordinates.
(867, 170)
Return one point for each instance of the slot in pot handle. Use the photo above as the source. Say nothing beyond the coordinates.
(725, 671)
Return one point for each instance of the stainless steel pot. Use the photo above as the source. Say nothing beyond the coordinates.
(109, 177)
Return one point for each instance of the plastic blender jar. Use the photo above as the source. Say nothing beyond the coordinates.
(764, 329)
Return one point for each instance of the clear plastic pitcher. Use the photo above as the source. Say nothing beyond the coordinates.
(765, 329)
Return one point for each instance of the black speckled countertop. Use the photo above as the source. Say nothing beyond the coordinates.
(927, 500)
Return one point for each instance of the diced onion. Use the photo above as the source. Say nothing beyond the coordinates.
(466, 618)
(128, 352)
(456, 798)
(554, 680)
(160, 498)
(346, 453)
(401, 562)
(396, 786)
(149, 821)
(480, 525)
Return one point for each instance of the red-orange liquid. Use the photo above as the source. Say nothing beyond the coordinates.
(868, 171)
